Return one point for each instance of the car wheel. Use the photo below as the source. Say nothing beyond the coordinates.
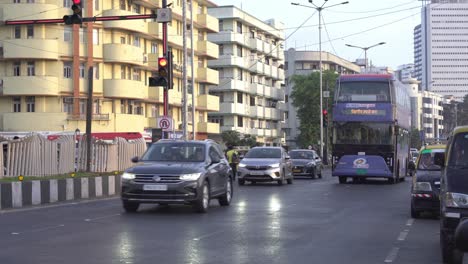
(391, 180)
(203, 201)
(253, 182)
(240, 181)
(130, 207)
(342, 179)
(450, 254)
(320, 174)
(414, 214)
(225, 199)
(313, 175)
(290, 180)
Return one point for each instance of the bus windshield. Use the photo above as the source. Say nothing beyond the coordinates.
(364, 92)
(362, 133)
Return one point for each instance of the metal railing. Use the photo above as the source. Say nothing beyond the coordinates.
(94, 117)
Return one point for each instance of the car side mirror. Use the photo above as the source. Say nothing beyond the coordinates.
(317, 158)
(439, 159)
(135, 159)
(287, 157)
(461, 236)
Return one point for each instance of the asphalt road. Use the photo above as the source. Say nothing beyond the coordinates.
(311, 221)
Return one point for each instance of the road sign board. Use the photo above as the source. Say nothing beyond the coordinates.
(165, 123)
(164, 15)
(326, 94)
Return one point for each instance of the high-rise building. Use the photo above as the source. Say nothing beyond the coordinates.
(444, 48)
(44, 68)
(417, 46)
(304, 63)
(251, 75)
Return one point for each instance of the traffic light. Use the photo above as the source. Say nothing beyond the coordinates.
(325, 117)
(163, 74)
(77, 16)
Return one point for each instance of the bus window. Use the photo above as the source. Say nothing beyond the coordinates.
(364, 92)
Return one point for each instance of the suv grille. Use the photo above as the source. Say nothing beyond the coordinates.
(257, 167)
(151, 178)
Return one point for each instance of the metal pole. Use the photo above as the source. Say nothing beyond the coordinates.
(192, 71)
(89, 115)
(321, 77)
(365, 60)
(184, 71)
(165, 95)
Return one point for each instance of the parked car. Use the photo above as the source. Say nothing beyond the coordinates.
(306, 162)
(426, 181)
(178, 172)
(453, 193)
(265, 164)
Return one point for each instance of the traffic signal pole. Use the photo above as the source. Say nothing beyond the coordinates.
(165, 53)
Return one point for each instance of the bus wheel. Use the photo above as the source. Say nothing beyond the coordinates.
(391, 180)
(342, 179)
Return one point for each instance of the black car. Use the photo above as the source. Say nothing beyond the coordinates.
(178, 172)
(426, 181)
(306, 162)
(453, 194)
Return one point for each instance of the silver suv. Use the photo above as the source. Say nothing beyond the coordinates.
(265, 164)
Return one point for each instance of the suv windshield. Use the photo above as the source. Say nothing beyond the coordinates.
(301, 154)
(180, 152)
(426, 159)
(264, 153)
(459, 151)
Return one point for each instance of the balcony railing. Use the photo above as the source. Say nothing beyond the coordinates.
(83, 117)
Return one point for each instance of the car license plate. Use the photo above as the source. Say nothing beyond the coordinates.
(154, 187)
(256, 173)
(296, 170)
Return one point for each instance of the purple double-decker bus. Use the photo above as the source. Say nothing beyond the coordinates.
(371, 124)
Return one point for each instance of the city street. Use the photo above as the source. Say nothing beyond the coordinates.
(311, 221)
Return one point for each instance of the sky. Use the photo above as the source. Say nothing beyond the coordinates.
(361, 23)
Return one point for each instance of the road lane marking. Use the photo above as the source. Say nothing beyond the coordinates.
(38, 229)
(392, 255)
(101, 217)
(403, 235)
(410, 222)
(207, 235)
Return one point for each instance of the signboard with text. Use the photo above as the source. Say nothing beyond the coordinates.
(382, 112)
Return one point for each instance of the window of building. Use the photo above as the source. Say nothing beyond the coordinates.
(67, 69)
(83, 104)
(96, 36)
(30, 1)
(82, 70)
(68, 105)
(16, 1)
(136, 41)
(17, 32)
(286, 98)
(252, 34)
(123, 70)
(67, 34)
(123, 5)
(31, 68)
(96, 71)
(137, 9)
(96, 4)
(221, 49)
(136, 74)
(154, 111)
(154, 47)
(30, 31)
(239, 27)
(82, 35)
(123, 40)
(129, 73)
(221, 25)
(239, 50)
(30, 104)
(16, 104)
(239, 97)
(252, 101)
(16, 68)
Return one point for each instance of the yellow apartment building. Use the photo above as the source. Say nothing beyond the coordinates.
(44, 67)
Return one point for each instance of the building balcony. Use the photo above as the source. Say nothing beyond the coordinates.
(45, 49)
(208, 22)
(267, 48)
(209, 128)
(229, 37)
(280, 53)
(208, 102)
(82, 117)
(234, 109)
(231, 84)
(155, 29)
(152, 59)
(259, 132)
(118, 88)
(148, 3)
(125, 121)
(31, 85)
(284, 125)
(206, 75)
(156, 93)
(174, 38)
(208, 49)
(282, 106)
(267, 70)
(257, 88)
(277, 73)
(278, 93)
(257, 111)
(228, 61)
(256, 67)
(138, 25)
(123, 53)
(37, 10)
(34, 121)
(272, 113)
(256, 44)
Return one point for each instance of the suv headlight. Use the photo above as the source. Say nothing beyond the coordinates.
(276, 165)
(422, 186)
(242, 165)
(190, 177)
(310, 164)
(456, 200)
(128, 176)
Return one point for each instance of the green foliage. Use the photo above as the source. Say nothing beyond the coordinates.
(305, 97)
(415, 139)
(231, 138)
(462, 112)
(248, 140)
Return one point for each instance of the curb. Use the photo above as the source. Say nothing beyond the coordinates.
(42, 192)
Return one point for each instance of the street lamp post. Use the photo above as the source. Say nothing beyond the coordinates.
(319, 10)
(365, 51)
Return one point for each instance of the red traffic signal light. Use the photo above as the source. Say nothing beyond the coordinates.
(325, 112)
(162, 62)
(76, 17)
(77, 2)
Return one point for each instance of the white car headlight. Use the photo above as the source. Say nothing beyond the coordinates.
(310, 164)
(456, 200)
(190, 177)
(242, 165)
(275, 165)
(128, 176)
(422, 186)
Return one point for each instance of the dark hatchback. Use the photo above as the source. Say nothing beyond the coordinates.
(425, 187)
(178, 172)
(306, 163)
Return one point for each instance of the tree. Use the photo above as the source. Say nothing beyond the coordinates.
(231, 138)
(305, 97)
(462, 112)
(249, 140)
(415, 138)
